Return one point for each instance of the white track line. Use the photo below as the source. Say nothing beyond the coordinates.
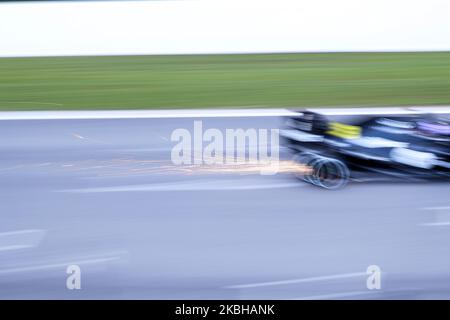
(82, 261)
(440, 220)
(18, 232)
(21, 239)
(211, 113)
(142, 114)
(435, 224)
(190, 186)
(295, 281)
(16, 247)
(337, 295)
(437, 208)
(58, 265)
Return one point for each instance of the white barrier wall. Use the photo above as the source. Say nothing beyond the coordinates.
(222, 26)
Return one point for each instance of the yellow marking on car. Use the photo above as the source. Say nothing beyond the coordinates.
(344, 131)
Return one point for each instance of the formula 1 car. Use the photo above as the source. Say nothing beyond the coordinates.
(339, 145)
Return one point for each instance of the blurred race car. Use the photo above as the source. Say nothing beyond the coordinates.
(339, 145)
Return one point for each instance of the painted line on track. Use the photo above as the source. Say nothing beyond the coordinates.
(82, 261)
(338, 296)
(296, 281)
(142, 114)
(189, 186)
(212, 113)
(435, 224)
(21, 239)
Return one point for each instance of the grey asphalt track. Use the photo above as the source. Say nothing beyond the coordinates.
(102, 194)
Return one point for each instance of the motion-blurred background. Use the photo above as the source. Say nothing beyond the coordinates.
(93, 29)
(99, 190)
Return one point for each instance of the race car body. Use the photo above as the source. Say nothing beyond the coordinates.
(339, 146)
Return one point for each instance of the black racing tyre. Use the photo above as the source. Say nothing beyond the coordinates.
(325, 172)
(330, 173)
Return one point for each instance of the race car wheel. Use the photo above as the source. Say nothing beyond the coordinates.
(330, 173)
(324, 172)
